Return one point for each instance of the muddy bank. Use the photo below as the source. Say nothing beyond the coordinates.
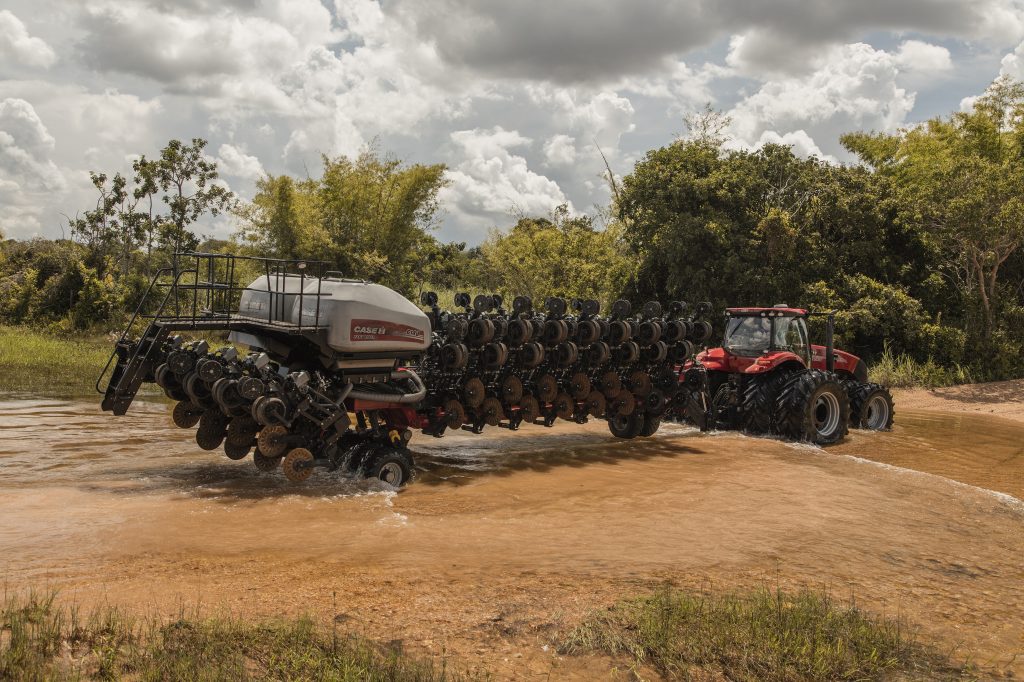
(999, 398)
(508, 537)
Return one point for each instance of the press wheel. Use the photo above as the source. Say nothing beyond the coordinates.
(297, 465)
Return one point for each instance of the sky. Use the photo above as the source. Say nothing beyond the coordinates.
(518, 97)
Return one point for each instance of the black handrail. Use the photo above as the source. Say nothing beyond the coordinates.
(127, 330)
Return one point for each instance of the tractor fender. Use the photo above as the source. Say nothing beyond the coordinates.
(774, 361)
(846, 363)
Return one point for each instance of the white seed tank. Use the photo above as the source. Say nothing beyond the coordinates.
(360, 317)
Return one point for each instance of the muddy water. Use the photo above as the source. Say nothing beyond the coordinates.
(533, 526)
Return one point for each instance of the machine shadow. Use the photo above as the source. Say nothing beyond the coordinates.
(230, 482)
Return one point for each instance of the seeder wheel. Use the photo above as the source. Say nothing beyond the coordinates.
(297, 465)
(271, 441)
(210, 433)
(237, 450)
(186, 414)
(388, 464)
(264, 463)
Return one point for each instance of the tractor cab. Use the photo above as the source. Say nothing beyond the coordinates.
(754, 332)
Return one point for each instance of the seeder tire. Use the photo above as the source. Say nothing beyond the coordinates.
(812, 406)
(871, 407)
(626, 425)
(390, 465)
(650, 425)
(296, 465)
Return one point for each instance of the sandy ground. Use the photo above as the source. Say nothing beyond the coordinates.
(1002, 398)
(506, 540)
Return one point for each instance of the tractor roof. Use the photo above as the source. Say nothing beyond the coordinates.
(780, 311)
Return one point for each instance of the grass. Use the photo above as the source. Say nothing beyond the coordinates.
(903, 371)
(40, 640)
(759, 635)
(37, 362)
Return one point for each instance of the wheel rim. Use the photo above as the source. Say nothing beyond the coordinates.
(392, 474)
(826, 414)
(876, 413)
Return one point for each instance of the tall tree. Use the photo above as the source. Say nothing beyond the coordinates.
(370, 216)
(187, 179)
(961, 179)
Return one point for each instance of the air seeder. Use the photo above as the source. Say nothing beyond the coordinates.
(339, 372)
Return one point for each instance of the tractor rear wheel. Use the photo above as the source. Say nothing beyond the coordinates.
(870, 407)
(626, 425)
(812, 406)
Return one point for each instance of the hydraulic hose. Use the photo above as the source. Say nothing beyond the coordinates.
(404, 399)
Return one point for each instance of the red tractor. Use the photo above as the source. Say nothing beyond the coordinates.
(768, 378)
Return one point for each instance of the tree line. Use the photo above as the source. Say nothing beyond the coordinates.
(916, 245)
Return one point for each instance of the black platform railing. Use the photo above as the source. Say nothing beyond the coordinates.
(215, 291)
(202, 291)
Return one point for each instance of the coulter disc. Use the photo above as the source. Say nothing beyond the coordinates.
(264, 463)
(185, 414)
(565, 406)
(235, 450)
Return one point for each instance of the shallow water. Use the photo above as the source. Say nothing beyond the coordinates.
(927, 517)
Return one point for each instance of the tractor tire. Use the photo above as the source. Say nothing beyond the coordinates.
(626, 425)
(812, 406)
(650, 425)
(870, 407)
(757, 410)
(390, 465)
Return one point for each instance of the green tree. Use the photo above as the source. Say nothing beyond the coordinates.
(187, 179)
(370, 216)
(562, 256)
(961, 179)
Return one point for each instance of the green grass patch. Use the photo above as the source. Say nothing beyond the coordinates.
(903, 371)
(37, 362)
(40, 640)
(759, 635)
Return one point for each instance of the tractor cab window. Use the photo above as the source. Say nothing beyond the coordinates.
(748, 336)
(791, 335)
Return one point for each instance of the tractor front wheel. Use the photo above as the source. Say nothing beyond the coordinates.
(812, 406)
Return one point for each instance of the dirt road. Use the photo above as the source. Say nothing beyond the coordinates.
(507, 537)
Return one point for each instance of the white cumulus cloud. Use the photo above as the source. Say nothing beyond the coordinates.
(490, 182)
(234, 162)
(16, 45)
